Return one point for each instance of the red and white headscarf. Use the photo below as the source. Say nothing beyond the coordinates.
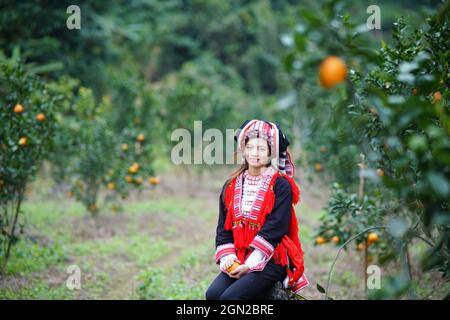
(281, 158)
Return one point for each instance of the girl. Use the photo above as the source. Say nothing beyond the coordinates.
(257, 230)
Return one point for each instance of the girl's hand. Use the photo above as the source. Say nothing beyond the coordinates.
(229, 262)
(240, 271)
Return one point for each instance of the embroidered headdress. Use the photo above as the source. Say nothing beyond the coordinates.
(277, 141)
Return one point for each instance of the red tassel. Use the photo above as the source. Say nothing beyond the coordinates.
(280, 255)
(228, 197)
(296, 256)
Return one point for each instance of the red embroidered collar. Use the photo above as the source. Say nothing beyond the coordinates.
(264, 183)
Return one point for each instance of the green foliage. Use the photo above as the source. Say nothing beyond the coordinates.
(397, 104)
(25, 140)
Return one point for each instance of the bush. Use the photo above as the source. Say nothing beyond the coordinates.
(27, 118)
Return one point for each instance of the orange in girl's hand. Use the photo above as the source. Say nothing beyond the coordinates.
(233, 266)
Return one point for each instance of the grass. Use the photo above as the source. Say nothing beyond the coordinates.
(187, 279)
(38, 290)
(28, 257)
(59, 234)
(149, 251)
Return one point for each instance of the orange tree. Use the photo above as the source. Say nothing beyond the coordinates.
(27, 125)
(394, 111)
(96, 156)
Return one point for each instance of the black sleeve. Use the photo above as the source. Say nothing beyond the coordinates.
(223, 236)
(277, 222)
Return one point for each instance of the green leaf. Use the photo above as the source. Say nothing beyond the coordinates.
(320, 288)
(439, 184)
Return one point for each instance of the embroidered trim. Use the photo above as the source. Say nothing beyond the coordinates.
(262, 264)
(259, 199)
(251, 178)
(263, 245)
(302, 283)
(224, 250)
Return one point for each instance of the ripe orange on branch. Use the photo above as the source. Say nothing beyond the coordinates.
(372, 237)
(111, 186)
(332, 71)
(320, 240)
(154, 181)
(40, 117)
(140, 137)
(18, 108)
(23, 141)
(437, 97)
(133, 168)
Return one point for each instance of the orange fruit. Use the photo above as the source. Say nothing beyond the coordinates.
(372, 237)
(380, 172)
(92, 208)
(18, 108)
(138, 180)
(40, 117)
(233, 266)
(124, 147)
(23, 141)
(69, 194)
(320, 240)
(140, 137)
(318, 167)
(415, 91)
(437, 97)
(133, 168)
(128, 179)
(332, 71)
(360, 247)
(335, 239)
(111, 186)
(154, 180)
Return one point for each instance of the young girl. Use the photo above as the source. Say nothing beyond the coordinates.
(257, 240)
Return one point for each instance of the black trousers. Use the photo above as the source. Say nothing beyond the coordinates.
(254, 285)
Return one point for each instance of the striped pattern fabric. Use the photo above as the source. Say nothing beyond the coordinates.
(259, 199)
(281, 160)
(223, 250)
(302, 283)
(249, 192)
(264, 246)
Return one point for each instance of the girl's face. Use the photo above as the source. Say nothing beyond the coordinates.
(256, 152)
